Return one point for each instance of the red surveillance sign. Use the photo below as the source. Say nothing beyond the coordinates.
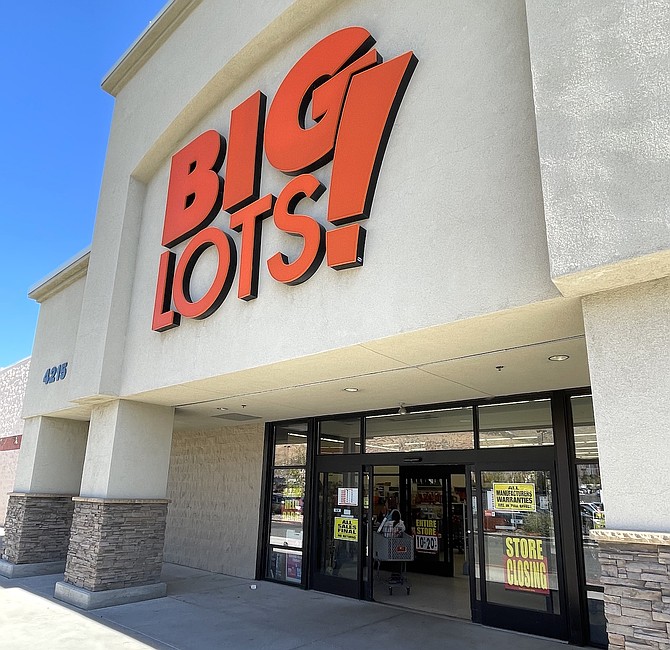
(353, 97)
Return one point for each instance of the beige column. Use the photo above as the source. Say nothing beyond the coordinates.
(39, 513)
(118, 529)
(628, 339)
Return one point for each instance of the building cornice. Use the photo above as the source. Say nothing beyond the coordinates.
(62, 277)
(156, 33)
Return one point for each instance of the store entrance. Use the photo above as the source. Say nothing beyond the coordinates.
(432, 502)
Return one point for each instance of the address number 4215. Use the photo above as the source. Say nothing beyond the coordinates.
(55, 374)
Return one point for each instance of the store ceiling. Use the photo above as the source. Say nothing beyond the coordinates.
(500, 354)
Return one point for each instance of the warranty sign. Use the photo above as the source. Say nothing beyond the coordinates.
(514, 497)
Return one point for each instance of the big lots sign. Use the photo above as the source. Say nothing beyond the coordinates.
(354, 98)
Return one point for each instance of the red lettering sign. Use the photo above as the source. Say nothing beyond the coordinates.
(352, 99)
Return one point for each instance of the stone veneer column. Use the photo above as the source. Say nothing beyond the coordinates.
(38, 532)
(636, 576)
(39, 513)
(128, 535)
(118, 527)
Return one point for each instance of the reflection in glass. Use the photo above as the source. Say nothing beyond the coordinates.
(337, 549)
(517, 424)
(475, 530)
(431, 430)
(591, 515)
(287, 503)
(519, 540)
(340, 436)
(591, 510)
(291, 444)
(586, 442)
(386, 497)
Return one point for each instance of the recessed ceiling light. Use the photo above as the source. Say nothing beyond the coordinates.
(351, 390)
(559, 357)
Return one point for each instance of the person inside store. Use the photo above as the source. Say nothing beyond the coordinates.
(392, 526)
(382, 514)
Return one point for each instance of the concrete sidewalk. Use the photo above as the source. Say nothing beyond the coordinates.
(207, 610)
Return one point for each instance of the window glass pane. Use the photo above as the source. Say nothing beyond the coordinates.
(338, 535)
(291, 444)
(340, 436)
(519, 540)
(286, 525)
(386, 485)
(586, 445)
(475, 531)
(591, 511)
(519, 424)
(592, 515)
(420, 431)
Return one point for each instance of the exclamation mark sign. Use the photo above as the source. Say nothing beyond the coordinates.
(370, 108)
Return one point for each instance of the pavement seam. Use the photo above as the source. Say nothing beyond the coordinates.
(333, 636)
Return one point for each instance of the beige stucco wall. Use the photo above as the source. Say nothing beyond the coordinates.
(54, 344)
(52, 455)
(601, 80)
(628, 335)
(459, 187)
(12, 389)
(214, 485)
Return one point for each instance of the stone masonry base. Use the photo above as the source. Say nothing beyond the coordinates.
(85, 599)
(116, 543)
(636, 576)
(37, 529)
(11, 570)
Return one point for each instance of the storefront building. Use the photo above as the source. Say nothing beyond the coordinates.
(352, 258)
(12, 389)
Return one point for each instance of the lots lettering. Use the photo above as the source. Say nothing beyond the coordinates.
(354, 97)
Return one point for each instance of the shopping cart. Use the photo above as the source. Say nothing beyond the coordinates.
(394, 549)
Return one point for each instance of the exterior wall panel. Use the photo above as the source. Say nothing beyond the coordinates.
(456, 230)
(214, 486)
(601, 74)
(628, 334)
(55, 340)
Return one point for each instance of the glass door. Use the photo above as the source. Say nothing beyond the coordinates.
(427, 520)
(519, 560)
(435, 503)
(341, 533)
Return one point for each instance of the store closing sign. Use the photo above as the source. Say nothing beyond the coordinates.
(346, 529)
(354, 98)
(525, 565)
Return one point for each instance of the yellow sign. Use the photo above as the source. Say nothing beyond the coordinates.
(425, 536)
(346, 529)
(514, 497)
(525, 565)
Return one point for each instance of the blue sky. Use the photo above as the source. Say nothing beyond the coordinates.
(54, 124)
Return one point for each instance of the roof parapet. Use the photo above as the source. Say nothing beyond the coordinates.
(63, 276)
(153, 36)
